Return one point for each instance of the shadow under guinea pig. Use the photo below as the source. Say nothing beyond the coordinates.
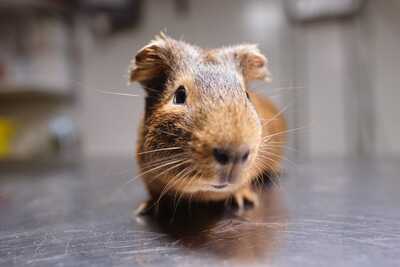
(212, 229)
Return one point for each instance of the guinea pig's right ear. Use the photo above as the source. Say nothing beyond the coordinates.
(152, 64)
(252, 62)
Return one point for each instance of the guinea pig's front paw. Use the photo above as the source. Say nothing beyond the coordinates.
(244, 196)
(145, 208)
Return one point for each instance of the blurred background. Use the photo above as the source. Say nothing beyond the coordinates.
(335, 67)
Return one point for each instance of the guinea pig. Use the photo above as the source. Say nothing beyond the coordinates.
(205, 135)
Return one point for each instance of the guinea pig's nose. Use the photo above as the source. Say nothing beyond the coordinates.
(221, 156)
(225, 156)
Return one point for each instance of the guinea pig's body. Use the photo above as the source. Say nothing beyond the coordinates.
(205, 136)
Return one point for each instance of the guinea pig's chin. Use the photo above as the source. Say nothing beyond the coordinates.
(216, 187)
(211, 186)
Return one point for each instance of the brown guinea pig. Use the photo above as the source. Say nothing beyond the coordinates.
(205, 136)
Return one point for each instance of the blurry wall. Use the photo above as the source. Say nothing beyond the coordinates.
(384, 36)
(349, 69)
(338, 78)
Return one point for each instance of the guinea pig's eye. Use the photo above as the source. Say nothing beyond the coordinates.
(180, 96)
(247, 95)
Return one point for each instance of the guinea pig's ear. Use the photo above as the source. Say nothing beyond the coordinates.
(152, 64)
(252, 63)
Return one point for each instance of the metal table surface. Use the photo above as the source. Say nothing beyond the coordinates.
(324, 213)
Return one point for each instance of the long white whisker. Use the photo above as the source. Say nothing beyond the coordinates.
(276, 115)
(116, 93)
(163, 160)
(282, 132)
(283, 146)
(277, 89)
(152, 169)
(171, 168)
(160, 149)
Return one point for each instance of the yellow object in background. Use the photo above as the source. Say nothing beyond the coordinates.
(7, 132)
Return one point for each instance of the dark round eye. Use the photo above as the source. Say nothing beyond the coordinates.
(247, 95)
(180, 96)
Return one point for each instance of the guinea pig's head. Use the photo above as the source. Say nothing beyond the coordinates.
(201, 131)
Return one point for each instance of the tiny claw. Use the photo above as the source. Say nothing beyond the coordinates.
(144, 209)
(245, 196)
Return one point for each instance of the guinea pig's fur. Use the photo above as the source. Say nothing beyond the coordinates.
(217, 117)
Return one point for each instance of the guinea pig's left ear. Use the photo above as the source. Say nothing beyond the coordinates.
(252, 63)
(152, 63)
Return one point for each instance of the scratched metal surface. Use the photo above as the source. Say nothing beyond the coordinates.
(325, 213)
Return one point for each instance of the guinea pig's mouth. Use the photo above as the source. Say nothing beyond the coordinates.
(220, 186)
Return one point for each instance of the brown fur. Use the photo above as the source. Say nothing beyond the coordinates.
(174, 150)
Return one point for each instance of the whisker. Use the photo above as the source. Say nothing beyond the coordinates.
(280, 91)
(275, 179)
(283, 146)
(276, 115)
(182, 173)
(257, 178)
(200, 176)
(279, 158)
(170, 185)
(116, 93)
(282, 132)
(189, 182)
(165, 190)
(277, 143)
(170, 169)
(145, 172)
(160, 149)
(277, 89)
(270, 168)
(165, 160)
(162, 160)
(151, 170)
(151, 89)
(288, 88)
